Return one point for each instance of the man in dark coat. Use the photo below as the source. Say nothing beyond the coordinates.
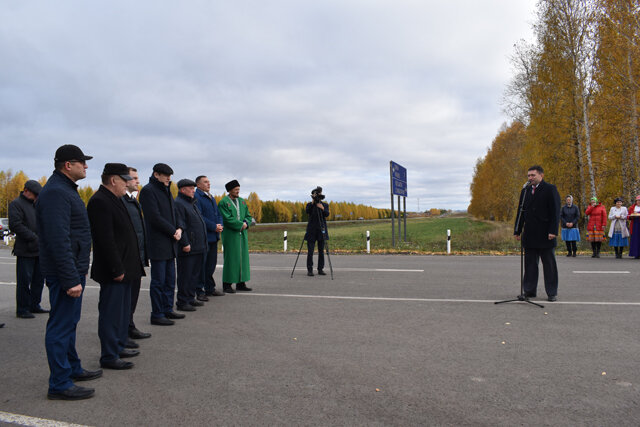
(64, 237)
(212, 218)
(318, 212)
(163, 232)
(537, 225)
(29, 280)
(192, 246)
(116, 264)
(135, 213)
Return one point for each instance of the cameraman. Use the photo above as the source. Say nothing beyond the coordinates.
(318, 211)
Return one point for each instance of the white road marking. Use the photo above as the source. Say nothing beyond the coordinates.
(7, 417)
(342, 297)
(483, 301)
(600, 272)
(303, 268)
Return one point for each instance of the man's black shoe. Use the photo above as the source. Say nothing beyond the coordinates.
(196, 303)
(552, 298)
(174, 315)
(215, 293)
(321, 273)
(229, 290)
(202, 298)
(186, 307)
(39, 309)
(131, 344)
(72, 393)
(25, 315)
(128, 353)
(87, 375)
(310, 273)
(161, 321)
(117, 364)
(241, 287)
(135, 334)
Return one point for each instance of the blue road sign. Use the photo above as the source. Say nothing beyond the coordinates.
(398, 180)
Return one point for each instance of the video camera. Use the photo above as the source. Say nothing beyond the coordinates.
(316, 195)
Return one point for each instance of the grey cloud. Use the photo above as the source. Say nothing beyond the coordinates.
(282, 95)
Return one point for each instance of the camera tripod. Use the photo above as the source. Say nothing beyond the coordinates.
(323, 228)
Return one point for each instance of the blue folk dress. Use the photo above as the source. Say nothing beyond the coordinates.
(570, 214)
(618, 232)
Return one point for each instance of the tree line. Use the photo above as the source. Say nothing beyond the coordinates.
(262, 211)
(573, 99)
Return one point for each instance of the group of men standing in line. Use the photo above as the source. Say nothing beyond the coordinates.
(55, 234)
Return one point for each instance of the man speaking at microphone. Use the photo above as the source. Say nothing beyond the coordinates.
(537, 225)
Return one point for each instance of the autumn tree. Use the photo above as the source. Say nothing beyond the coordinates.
(617, 106)
(255, 206)
(498, 177)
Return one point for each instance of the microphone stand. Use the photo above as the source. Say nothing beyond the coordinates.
(521, 297)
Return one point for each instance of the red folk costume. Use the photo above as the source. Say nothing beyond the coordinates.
(597, 222)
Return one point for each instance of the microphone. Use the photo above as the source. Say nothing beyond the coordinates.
(527, 184)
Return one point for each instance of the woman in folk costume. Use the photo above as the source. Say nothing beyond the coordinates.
(595, 228)
(569, 216)
(634, 228)
(618, 232)
(236, 220)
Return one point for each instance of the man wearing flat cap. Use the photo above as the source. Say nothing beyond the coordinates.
(64, 237)
(163, 233)
(236, 218)
(116, 264)
(192, 246)
(29, 280)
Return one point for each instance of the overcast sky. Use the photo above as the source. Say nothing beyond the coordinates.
(283, 95)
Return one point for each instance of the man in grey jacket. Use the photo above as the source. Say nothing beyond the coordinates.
(29, 280)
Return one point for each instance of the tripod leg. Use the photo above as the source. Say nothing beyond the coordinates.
(326, 246)
(296, 263)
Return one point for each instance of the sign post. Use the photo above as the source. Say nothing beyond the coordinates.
(398, 176)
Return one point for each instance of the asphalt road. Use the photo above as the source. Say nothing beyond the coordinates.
(392, 340)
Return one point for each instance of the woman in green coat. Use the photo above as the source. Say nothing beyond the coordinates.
(236, 221)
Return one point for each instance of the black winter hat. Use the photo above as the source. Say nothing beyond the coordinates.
(33, 186)
(69, 152)
(163, 168)
(186, 182)
(119, 169)
(231, 185)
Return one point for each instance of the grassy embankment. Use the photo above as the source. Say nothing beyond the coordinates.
(424, 236)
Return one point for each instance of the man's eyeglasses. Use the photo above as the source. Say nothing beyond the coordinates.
(78, 161)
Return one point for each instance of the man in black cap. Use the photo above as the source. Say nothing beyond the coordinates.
(135, 213)
(163, 232)
(64, 236)
(29, 280)
(116, 264)
(192, 246)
